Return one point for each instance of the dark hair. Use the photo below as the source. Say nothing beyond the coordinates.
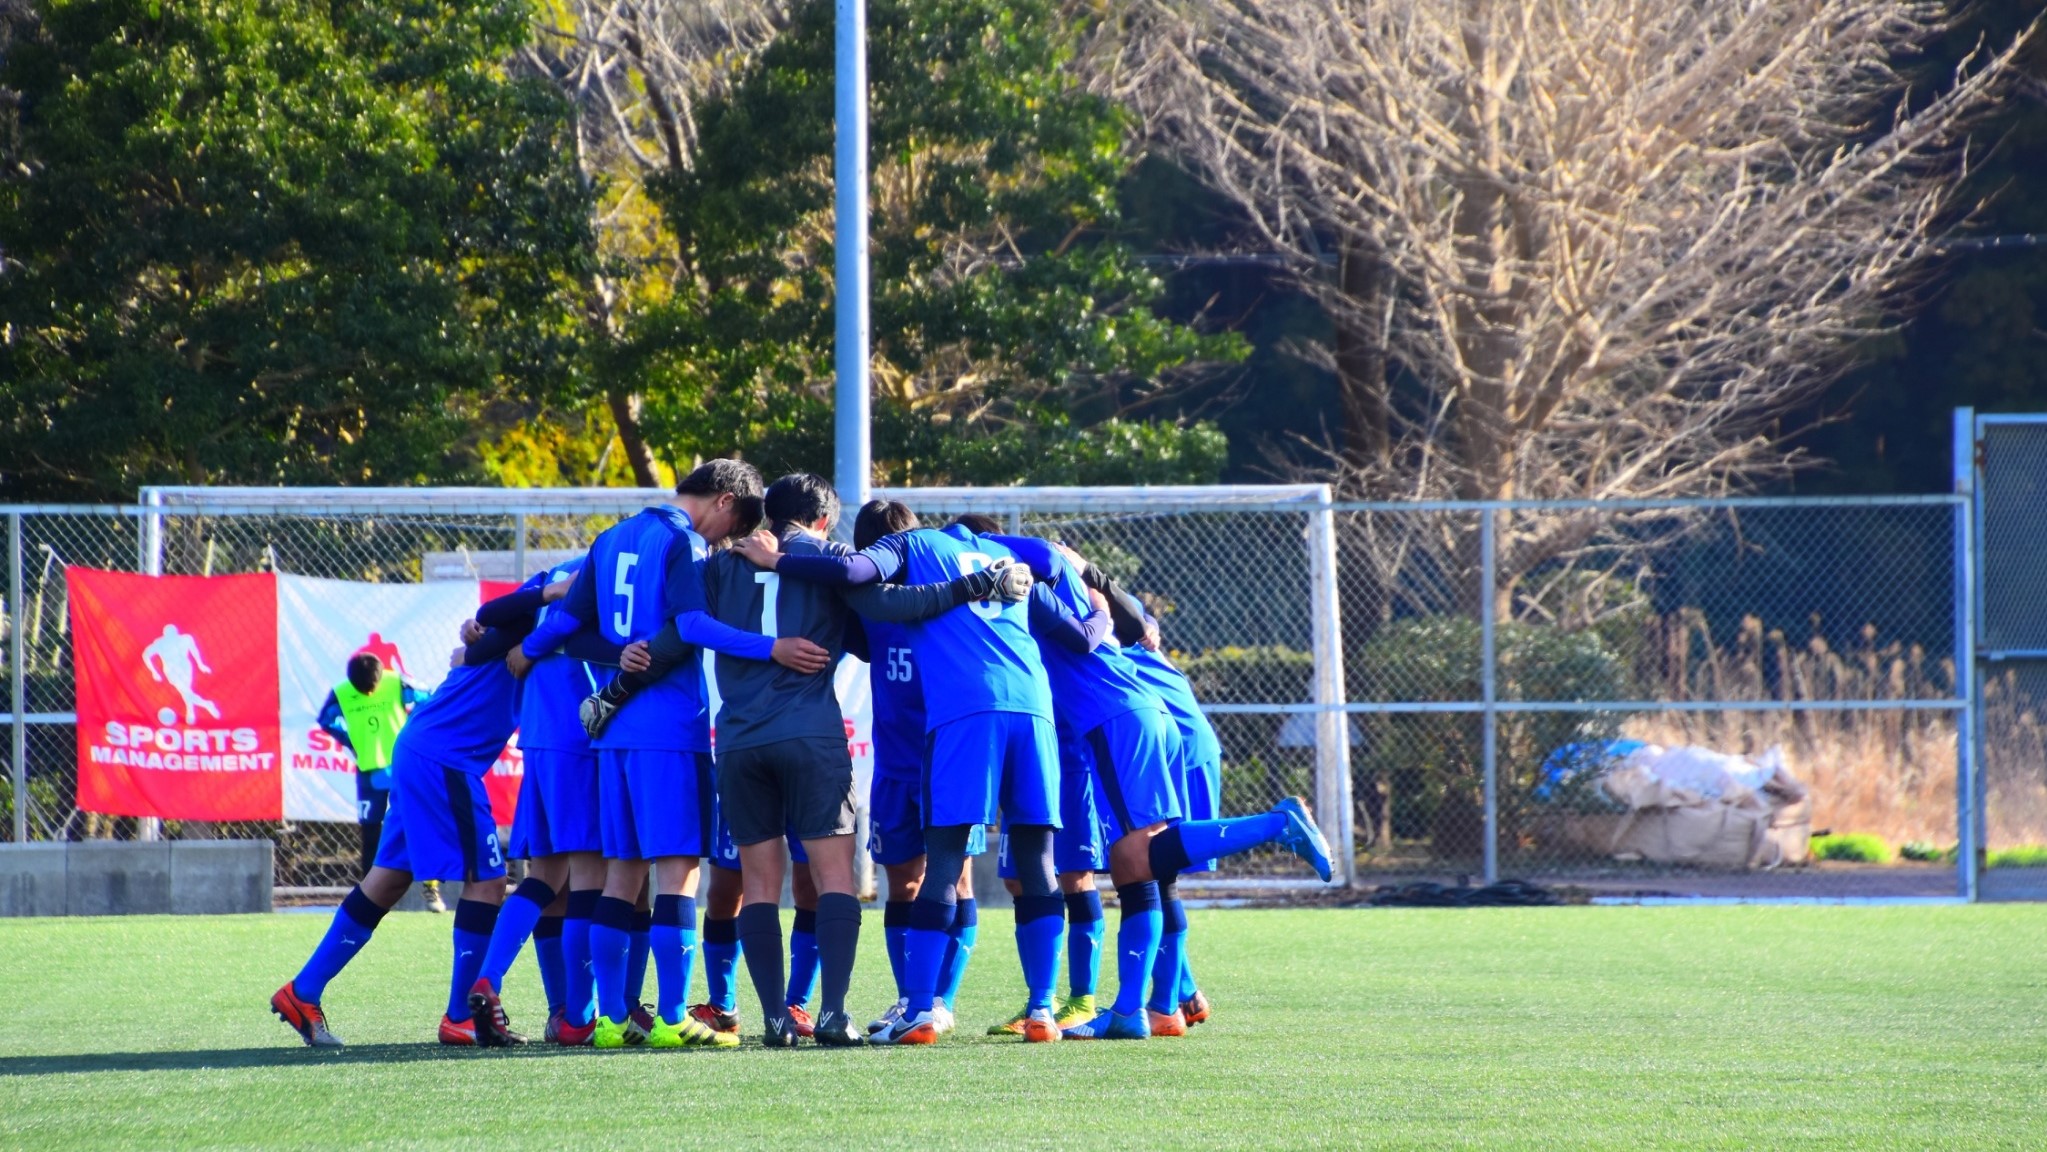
(800, 498)
(719, 478)
(978, 524)
(746, 516)
(878, 518)
(364, 670)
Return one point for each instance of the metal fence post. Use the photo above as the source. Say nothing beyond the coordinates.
(1489, 686)
(1332, 723)
(151, 828)
(17, 692)
(1968, 678)
(519, 546)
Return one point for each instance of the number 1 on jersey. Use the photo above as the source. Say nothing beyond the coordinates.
(771, 591)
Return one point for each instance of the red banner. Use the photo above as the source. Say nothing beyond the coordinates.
(177, 695)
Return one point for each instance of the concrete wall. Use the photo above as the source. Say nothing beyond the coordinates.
(125, 878)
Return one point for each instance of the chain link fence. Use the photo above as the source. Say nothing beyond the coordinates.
(1447, 683)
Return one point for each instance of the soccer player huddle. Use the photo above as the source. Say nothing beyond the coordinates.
(1014, 685)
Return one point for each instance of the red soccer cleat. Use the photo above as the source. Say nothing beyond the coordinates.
(805, 1026)
(487, 1014)
(458, 1034)
(1164, 1024)
(305, 1018)
(715, 1018)
(568, 1035)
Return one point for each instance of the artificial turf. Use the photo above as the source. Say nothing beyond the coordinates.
(1626, 1028)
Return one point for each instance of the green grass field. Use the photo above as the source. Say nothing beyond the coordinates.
(1625, 1028)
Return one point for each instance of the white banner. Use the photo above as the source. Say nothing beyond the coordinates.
(320, 624)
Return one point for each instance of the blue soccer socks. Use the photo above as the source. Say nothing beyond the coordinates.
(1172, 955)
(802, 958)
(636, 957)
(924, 949)
(474, 921)
(581, 1003)
(611, 939)
(895, 932)
(350, 929)
(673, 939)
(1137, 943)
(515, 922)
(1039, 925)
(721, 963)
(1084, 931)
(965, 933)
(1178, 846)
(547, 952)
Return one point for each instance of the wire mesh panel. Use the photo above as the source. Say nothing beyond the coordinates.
(2011, 458)
(1429, 649)
(1826, 628)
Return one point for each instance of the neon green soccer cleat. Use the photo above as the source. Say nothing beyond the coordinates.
(609, 1033)
(1076, 1010)
(691, 1033)
(1014, 1026)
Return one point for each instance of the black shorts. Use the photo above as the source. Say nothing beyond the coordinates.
(803, 787)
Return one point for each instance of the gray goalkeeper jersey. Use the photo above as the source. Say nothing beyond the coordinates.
(763, 702)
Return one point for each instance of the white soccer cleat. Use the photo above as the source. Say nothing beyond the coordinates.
(888, 1018)
(918, 1029)
(942, 1016)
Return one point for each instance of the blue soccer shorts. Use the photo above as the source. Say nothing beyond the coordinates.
(990, 766)
(557, 805)
(1201, 798)
(1137, 771)
(895, 824)
(439, 824)
(1079, 844)
(655, 803)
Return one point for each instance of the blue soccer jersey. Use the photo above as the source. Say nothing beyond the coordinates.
(465, 723)
(1087, 687)
(555, 688)
(898, 698)
(1202, 746)
(978, 660)
(640, 572)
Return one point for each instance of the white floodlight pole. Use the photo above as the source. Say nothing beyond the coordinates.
(849, 173)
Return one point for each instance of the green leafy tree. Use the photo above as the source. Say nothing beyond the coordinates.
(1010, 333)
(263, 241)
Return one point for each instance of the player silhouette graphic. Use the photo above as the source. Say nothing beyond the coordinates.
(174, 658)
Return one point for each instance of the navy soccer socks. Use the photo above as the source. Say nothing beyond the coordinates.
(1084, 931)
(672, 937)
(760, 938)
(474, 921)
(838, 941)
(353, 923)
(515, 922)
